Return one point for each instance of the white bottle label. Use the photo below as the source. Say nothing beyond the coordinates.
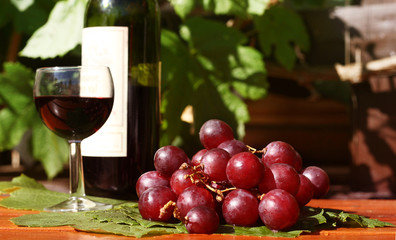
(108, 46)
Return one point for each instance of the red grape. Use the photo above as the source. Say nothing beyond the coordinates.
(240, 207)
(283, 177)
(281, 152)
(153, 200)
(233, 146)
(278, 209)
(214, 163)
(180, 180)
(305, 191)
(244, 170)
(319, 179)
(194, 196)
(213, 132)
(196, 159)
(150, 179)
(168, 159)
(202, 219)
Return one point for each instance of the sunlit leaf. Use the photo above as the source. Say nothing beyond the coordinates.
(22, 5)
(60, 34)
(183, 7)
(257, 7)
(249, 71)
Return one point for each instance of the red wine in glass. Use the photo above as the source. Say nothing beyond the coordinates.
(73, 117)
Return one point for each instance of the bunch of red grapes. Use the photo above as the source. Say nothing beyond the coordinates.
(229, 181)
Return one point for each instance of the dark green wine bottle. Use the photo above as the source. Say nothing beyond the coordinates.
(124, 35)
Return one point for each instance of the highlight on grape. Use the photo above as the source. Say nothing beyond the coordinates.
(229, 181)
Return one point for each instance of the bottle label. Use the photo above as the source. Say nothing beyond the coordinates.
(108, 46)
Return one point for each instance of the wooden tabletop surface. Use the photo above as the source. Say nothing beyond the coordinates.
(384, 210)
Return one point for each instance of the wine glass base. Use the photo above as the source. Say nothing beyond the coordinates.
(78, 204)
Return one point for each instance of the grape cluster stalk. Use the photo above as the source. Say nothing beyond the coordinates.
(229, 181)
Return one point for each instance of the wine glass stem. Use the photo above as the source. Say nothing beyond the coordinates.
(76, 169)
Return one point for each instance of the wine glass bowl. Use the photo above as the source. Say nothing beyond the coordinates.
(74, 102)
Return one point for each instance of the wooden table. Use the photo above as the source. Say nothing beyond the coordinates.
(384, 210)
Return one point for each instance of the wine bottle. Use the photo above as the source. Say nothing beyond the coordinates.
(124, 35)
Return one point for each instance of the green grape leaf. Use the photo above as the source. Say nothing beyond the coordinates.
(264, 231)
(32, 199)
(26, 182)
(19, 182)
(45, 42)
(281, 29)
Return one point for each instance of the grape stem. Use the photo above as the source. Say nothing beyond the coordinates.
(198, 177)
(166, 207)
(254, 150)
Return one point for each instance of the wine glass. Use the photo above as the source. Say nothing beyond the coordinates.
(74, 102)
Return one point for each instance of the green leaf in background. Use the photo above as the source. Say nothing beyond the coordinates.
(12, 129)
(179, 71)
(280, 30)
(16, 87)
(213, 40)
(25, 16)
(240, 8)
(183, 7)
(223, 7)
(22, 5)
(52, 39)
(19, 116)
(249, 72)
(258, 7)
(7, 11)
(36, 16)
(125, 219)
(16, 93)
(53, 156)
